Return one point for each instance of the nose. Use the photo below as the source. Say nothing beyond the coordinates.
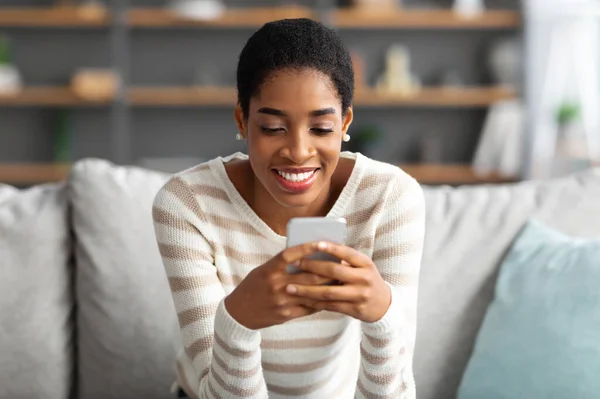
(298, 148)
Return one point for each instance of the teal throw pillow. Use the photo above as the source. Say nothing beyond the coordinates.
(540, 337)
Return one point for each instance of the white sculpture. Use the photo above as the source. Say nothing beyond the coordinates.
(198, 9)
(469, 8)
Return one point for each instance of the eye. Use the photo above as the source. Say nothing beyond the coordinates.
(321, 132)
(271, 130)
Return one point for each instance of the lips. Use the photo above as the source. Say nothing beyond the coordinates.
(297, 180)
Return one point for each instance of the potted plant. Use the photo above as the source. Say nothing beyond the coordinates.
(571, 146)
(365, 139)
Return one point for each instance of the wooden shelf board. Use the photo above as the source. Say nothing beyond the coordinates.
(183, 96)
(26, 174)
(233, 17)
(422, 19)
(435, 97)
(452, 174)
(226, 96)
(53, 17)
(47, 96)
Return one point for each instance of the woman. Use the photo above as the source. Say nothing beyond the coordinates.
(249, 329)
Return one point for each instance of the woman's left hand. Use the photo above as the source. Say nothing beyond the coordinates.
(362, 294)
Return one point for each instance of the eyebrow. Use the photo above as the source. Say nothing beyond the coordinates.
(277, 112)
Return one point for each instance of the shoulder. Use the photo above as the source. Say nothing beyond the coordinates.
(387, 182)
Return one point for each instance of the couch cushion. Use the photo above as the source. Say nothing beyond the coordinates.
(468, 232)
(36, 301)
(126, 318)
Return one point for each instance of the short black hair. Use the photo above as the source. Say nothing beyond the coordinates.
(294, 44)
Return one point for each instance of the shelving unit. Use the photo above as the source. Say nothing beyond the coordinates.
(54, 17)
(119, 20)
(48, 97)
(422, 19)
(21, 174)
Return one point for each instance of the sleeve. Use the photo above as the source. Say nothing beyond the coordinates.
(222, 357)
(387, 346)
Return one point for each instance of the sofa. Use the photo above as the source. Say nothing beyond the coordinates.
(86, 310)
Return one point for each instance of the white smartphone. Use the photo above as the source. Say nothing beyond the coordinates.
(311, 229)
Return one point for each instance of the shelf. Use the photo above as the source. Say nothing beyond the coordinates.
(27, 174)
(422, 19)
(183, 96)
(226, 96)
(53, 17)
(435, 97)
(451, 174)
(251, 17)
(47, 96)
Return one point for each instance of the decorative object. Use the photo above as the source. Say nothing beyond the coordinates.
(500, 147)
(358, 64)
(451, 79)
(365, 139)
(197, 9)
(397, 77)
(469, 8)
(92, 9)
(10, 77)
(505, 61)
(571, 153)
(346, 138)
(539, 337)
(95, 84)
(63, 137)
(376, 4)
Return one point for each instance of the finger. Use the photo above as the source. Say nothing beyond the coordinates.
(345, 253)
(290, 255)
(347, 308)
(331, 270)
(309, 279)
(348, 293)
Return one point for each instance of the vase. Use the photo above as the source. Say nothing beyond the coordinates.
(469, 7)
(10, 79)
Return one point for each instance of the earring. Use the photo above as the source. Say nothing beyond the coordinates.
(239, 137)
(346, 138)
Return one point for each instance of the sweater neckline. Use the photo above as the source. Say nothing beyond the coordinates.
(217, 165)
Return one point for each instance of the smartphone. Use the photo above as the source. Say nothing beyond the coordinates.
(311, 229)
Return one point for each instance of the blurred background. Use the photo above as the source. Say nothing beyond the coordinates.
(454, 91)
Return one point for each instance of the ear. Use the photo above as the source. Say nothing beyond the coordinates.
(347, 120)
(238, 115)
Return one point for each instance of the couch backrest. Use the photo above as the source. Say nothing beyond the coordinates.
(36, 294)
(126, 319)
(468, 231)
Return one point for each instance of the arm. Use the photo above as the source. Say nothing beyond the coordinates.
(387, 346)
(224, 356)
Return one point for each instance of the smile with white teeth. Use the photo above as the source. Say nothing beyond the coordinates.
(296, 177)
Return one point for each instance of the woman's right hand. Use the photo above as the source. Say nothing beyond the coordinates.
(261, 300)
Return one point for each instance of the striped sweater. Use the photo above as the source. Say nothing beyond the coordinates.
(210, 239)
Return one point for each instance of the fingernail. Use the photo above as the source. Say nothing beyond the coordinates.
(322, 245)
(291, 289)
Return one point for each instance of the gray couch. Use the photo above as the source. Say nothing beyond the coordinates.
(86, 310)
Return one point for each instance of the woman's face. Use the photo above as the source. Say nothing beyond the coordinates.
(294, 130)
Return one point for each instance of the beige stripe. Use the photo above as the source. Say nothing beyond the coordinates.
(183, 382)
(190, 316)
(227, 279)
(402, 249)
(171, 220)
(301, 343)
(365, 243)
(235, 372)
(372, 359)
(401, 279)
(232, 351)
(377, 342)
(402, 220)
(199, 346)
(205, 190)
(179, 189)
(246, 258)
(237, 391)
(179, 284)
(361, 217)
(372, 181)
(297, 391)
(232, 225)
(381, 379)
(213, 391)
(299, 367)
(370, 395)
(178, 252)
